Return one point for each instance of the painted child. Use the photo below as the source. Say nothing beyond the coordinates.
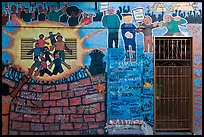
(172, 25)
(41, 42)
(52, 37)
(146, 28)
(43, 67)
(58, 64)
(60, 46)
(37, 51)
(128, 30)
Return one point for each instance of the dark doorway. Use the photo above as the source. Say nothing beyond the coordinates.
(173, 84)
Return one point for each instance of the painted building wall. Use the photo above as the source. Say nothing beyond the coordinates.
(104, 89)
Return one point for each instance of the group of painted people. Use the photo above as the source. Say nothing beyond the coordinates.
(43, 54)
(129, 30)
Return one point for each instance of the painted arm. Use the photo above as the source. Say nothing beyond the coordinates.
(66, 65)
(30, 52)
(68, 50)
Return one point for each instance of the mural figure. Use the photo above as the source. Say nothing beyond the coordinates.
(146, 27)
(27, 15)
(4, 18)
(43, 67)
(60, 46)
(87, 19)
(55, 15)
(42, 15)
(112, 22)
(41, 41)
(52, 37)
(128, 30)
(37, 50)
(14, 13)
(58, 64)
(47, 54)
(172, 24)
(74, 18)
(7, 98)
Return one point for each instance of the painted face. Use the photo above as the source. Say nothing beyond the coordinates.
(59, 38)
(13, 8)
(85, 14)
(167, 18)
(147, 21)
(111, 11)
(23, 7)
(53, 8)
(40, 8)
(26, 10)
(41, 36)
(127, 19)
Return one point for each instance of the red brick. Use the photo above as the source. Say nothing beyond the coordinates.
(89, 118)
(20, 125)
(80, 125)
(49, 103)
(81, 110)
(16, 116)
(12, 107)
(40, 111)
(100, 131)
(22, 109)
(13, 132)
(31, 118)
(79, 92)
(69, 110)
(44, 133)
(35, 88)
(96, 108)
(84, 82)
(9, 82)
(66, 126)
(62, 102)
(48, 88)
(61, 118)
(100, 116)
(47, 119)
(72, 133)
(96, 124)
(36, 127)
(55, 95)
(67, 94)
(75, 101)
(102, 106)
(61, 87)
(76, 118)
(92, 98)
(57, 133)
(19, 101)
(26, 133)
(44, 96)
(56, 110)
(52, 127)
(73, 85)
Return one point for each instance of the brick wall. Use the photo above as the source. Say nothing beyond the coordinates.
(67, 109)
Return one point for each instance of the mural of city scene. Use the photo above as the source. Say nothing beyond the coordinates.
(76, 68)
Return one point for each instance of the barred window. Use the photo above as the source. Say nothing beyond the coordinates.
(71, 44)
(26, 46)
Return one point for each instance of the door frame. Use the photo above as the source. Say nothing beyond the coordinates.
(192, 70)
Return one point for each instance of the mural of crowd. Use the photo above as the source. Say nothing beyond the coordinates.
(72, 15)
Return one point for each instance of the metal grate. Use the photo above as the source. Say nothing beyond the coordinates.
(71, 44)
(173, 83)
(26, 46)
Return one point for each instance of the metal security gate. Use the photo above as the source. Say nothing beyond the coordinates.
(173, 78)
